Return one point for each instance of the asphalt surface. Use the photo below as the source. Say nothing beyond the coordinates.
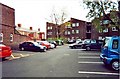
(59, 62)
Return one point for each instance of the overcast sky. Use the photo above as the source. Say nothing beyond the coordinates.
(36, 13)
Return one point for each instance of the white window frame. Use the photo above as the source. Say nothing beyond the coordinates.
(73, 24)
(77, 31)
(11, 37)
(69, 33)
(114, 29)
(106, 30)
(73, 31)
(77, 24)
(1, 36)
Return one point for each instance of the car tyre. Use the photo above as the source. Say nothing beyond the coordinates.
(115, 65)
(88, 48)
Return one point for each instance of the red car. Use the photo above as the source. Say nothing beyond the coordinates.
(5, 51)
(44, 43)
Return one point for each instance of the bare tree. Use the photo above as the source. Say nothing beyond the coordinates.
(58, 18)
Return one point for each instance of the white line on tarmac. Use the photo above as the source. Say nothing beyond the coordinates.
(99, 73)
(90, 62)
(87, 57)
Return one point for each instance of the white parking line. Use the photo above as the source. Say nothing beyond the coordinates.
(87, 57)
(92, 54)
(99, 73)
(90, 62)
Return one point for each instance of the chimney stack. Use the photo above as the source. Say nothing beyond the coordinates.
(19, 25)
(30, 28)
(38, 29)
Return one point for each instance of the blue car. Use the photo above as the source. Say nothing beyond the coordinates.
(110, 52)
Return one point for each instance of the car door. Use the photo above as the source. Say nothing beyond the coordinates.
(99, 44)
(93, 44)
(31, 46)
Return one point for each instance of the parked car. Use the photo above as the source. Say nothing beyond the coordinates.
(32, 46)
(71, 41)
(5, 51)
(89, 44)
(59, 42)
(110, 52)
(53, 42)
(52, 46)
(78, 44)
(44, 43)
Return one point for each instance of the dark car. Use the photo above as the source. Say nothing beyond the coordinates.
(78, 44)
(32, 46)
(89, 44)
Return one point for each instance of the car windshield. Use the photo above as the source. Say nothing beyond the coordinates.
(86, 41)
(106, 41)
(35, 43)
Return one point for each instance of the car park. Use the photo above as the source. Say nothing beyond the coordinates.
(31, 46)
(5, 51)
(78, 44)
(110, 52)
(90, 44)
(44, 43)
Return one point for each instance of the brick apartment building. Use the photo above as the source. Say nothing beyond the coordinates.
(78, 29)
(72, 29)
(110, 30)
(9, 34)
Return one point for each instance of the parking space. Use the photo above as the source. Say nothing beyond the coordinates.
(90, 64)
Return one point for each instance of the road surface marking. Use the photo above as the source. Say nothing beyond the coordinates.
(90, 62)
(98, 73)
(92, 54)
(87, 57)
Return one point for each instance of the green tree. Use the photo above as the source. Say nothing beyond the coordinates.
(99, 9)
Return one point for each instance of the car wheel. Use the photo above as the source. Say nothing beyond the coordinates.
(115, 65)
(88, 48)
(22, 48)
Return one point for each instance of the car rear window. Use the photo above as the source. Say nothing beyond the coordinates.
(115, 44)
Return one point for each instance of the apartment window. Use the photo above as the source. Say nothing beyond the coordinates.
(11, 37)
(50, 27)
(114, 29)
(65, 32)
(73, 31)
(105, 30)
(49, 33)
(1, 37)
(68, 32)
(77, 24)
(73, 24)
(77, 31)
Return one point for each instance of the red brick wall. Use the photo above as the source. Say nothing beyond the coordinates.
(7, 23)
